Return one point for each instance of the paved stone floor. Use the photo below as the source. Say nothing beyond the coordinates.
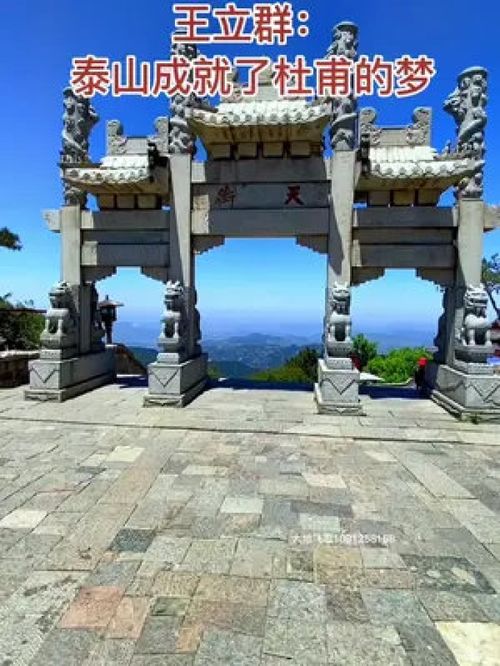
(246, 530)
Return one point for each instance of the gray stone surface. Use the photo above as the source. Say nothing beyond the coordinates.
(351, 643)
(159, 635)
(129, 540)
(189, 540)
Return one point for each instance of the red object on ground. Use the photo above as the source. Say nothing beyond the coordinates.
(357, 362)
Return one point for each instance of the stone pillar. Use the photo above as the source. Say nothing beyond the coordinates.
(470, 216)
(180, 371)
(71, 271)
(337, 390)
(466, 384)
(73, 359)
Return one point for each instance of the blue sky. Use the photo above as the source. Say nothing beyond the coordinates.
(264, 285)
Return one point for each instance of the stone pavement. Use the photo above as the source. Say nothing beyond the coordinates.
(246, 530)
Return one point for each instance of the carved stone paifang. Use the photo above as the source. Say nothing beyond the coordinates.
(266, 175)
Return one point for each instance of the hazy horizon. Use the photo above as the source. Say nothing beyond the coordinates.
(145, 333)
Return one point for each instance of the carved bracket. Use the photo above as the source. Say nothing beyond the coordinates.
(491, 217)
(203, 244)
(95, 273)
(362, 275)
(443, 277)
(315, 243)
(53, 220)
(156, 273)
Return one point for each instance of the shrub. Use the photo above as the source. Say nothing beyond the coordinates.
(301, 369)
(21, 330)
(365, 349)
(399, 365)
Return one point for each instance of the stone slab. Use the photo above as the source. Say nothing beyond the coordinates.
(92, 609)
(176, 385)
(252, 505)
(435, 480)
(467, 396)
(22, 519)
(62, 380)
(337, 391)
(472, 643)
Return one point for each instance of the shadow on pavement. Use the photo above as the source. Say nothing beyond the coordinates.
(382, 392)
(245, 384)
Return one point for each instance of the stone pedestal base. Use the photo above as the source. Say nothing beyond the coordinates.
(468, 396)
(176, 385)
(337, 390)
(60, 380)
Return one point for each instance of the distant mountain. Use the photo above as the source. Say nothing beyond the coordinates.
(261, 339)
(145, 334)
(257, 352)
(235, 357)
(242, 356)
(232, 369)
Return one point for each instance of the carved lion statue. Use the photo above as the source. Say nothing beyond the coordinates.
(173, 330)
(476, 327)
(339, 322)
(61, 320)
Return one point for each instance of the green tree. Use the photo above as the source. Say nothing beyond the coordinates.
(365, 349)
(399, 365)
(9, 240)
(491, 279)
(301, 369)
(21, 330)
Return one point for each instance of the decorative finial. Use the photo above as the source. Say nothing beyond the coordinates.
(467, 104)
(344, 109)
(182, 140)
(79, 118)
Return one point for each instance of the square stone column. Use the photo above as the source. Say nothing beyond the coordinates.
(180, 372)
(337, 389)
(466, 384)
(73, 358)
